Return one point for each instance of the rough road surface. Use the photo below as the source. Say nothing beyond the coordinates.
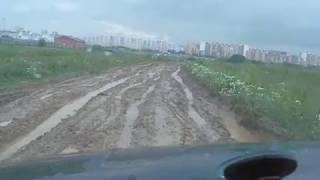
(144, 105)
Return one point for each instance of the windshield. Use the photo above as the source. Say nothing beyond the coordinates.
(92, 76)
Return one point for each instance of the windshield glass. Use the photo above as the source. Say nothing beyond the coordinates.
(92, 76)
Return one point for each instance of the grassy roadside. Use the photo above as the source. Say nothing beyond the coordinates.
(278, 98)
(21, 65)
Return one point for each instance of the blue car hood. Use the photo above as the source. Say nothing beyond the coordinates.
(161, 163)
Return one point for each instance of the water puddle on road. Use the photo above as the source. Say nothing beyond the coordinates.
(63, 113)
(69, 150)
(45, 96)
(5, 123)
(131, 116)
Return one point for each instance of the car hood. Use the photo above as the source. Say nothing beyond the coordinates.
(187, 162)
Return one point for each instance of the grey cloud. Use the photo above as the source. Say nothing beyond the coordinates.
(289, 24)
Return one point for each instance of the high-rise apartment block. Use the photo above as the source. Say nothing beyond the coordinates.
(224, 50)
(130, 42)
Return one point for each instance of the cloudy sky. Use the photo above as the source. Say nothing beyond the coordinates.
(280, 24)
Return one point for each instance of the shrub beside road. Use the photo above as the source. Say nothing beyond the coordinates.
(279, 98)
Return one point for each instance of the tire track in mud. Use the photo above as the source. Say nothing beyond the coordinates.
(168, 131)
(131, 116)
(20, 116)
(97, 120)
(152, 128)
(66, 111)
(63, 113)
(115, 116)
(162, 122)
(210, 134)
(146, 106)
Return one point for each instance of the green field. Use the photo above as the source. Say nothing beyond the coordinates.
(282, 99)
(22, 64)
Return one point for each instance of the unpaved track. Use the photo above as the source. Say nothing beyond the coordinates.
(144, 105)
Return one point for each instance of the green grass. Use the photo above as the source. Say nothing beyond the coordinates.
(21, 64)
(279, 98)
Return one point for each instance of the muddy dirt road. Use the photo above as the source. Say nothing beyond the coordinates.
(144, 105)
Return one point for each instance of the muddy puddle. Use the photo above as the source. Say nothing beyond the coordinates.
(5, 123)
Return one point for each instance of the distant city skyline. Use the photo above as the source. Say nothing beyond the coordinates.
(132, 42)
(204, 48)
(287, 25)
(120, 33)
(149, 36)
(225, 50)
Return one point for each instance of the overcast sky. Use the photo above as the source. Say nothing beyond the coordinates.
(292, 25)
